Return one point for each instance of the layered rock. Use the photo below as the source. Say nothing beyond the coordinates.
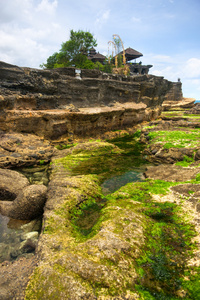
(174, 98)
(17, 150)
(53, 103)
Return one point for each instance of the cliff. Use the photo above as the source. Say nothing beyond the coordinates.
(174, 99)
(55, 103)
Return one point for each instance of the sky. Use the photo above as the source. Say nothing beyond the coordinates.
(166, 32)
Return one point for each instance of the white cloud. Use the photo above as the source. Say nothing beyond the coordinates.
(192, 68)
(47, 7)
(102, 17)
(162, 58)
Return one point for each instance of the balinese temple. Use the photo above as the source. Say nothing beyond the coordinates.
(131, 54)
(135, 68)
(94, 56)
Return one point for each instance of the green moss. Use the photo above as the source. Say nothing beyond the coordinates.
(168, 244)
(85, 216)
(186, 162)
(162, 263)
(176, 139)
(65, 146)
(104, 159)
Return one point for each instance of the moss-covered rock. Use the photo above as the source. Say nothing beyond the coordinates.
(132, 244)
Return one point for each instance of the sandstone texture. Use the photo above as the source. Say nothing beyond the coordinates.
(96, 257)
(11, 184)
(139, 242)
(19, 200)
(54, 104)
(174, 99)
(17, 150)
(28, 204)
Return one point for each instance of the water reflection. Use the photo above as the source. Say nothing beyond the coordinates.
(113, 184)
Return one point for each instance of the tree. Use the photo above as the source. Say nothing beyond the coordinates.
(51, 61)
(74, 51)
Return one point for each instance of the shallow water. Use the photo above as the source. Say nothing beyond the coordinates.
(11, 229)
(114, 183)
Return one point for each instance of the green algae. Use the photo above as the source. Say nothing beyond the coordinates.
(106, 159)
(162, 264)
(186, 162)
(176, 139)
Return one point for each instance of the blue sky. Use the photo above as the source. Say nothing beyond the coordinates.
(165, 31)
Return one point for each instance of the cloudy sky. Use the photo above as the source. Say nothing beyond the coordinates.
(165, 31)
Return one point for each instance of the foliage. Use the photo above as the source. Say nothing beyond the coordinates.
(74, 51)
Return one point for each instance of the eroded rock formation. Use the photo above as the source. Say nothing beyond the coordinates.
(19, 200)
(53, 103)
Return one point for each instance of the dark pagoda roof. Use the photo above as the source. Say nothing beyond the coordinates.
(131, 53)
(93, 56)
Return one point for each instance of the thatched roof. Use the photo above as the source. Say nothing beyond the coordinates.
(96, 56)
(131, 53)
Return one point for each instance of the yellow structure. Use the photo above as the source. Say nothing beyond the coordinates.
(116, 62)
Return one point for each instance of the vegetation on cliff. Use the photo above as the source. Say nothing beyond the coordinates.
(74, 52)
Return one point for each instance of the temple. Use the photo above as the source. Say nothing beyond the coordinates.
(130, 55)
(94, 56)
(135, 68)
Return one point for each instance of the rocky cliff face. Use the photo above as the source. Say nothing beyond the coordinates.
(174, 99)
(54, 103)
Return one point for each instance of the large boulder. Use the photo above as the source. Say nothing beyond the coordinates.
(11, 183)
(19, 199)
(28, 204)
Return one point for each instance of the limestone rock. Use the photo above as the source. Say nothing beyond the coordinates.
(195, 110)
(18, 150)
(28, 204)
(11, 183)
(171, 173)
(54, 104)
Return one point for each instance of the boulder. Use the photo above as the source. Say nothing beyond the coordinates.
(28, 204)
(11, 183)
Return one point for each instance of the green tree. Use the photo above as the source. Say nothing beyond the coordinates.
(74, 51)
(51, 61)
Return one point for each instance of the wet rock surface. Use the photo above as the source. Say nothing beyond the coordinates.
(17, 150)
(91, 256)
(172, 173)
(24, 202)
(14, 277)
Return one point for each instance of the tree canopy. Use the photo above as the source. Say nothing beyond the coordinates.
(73, 52)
